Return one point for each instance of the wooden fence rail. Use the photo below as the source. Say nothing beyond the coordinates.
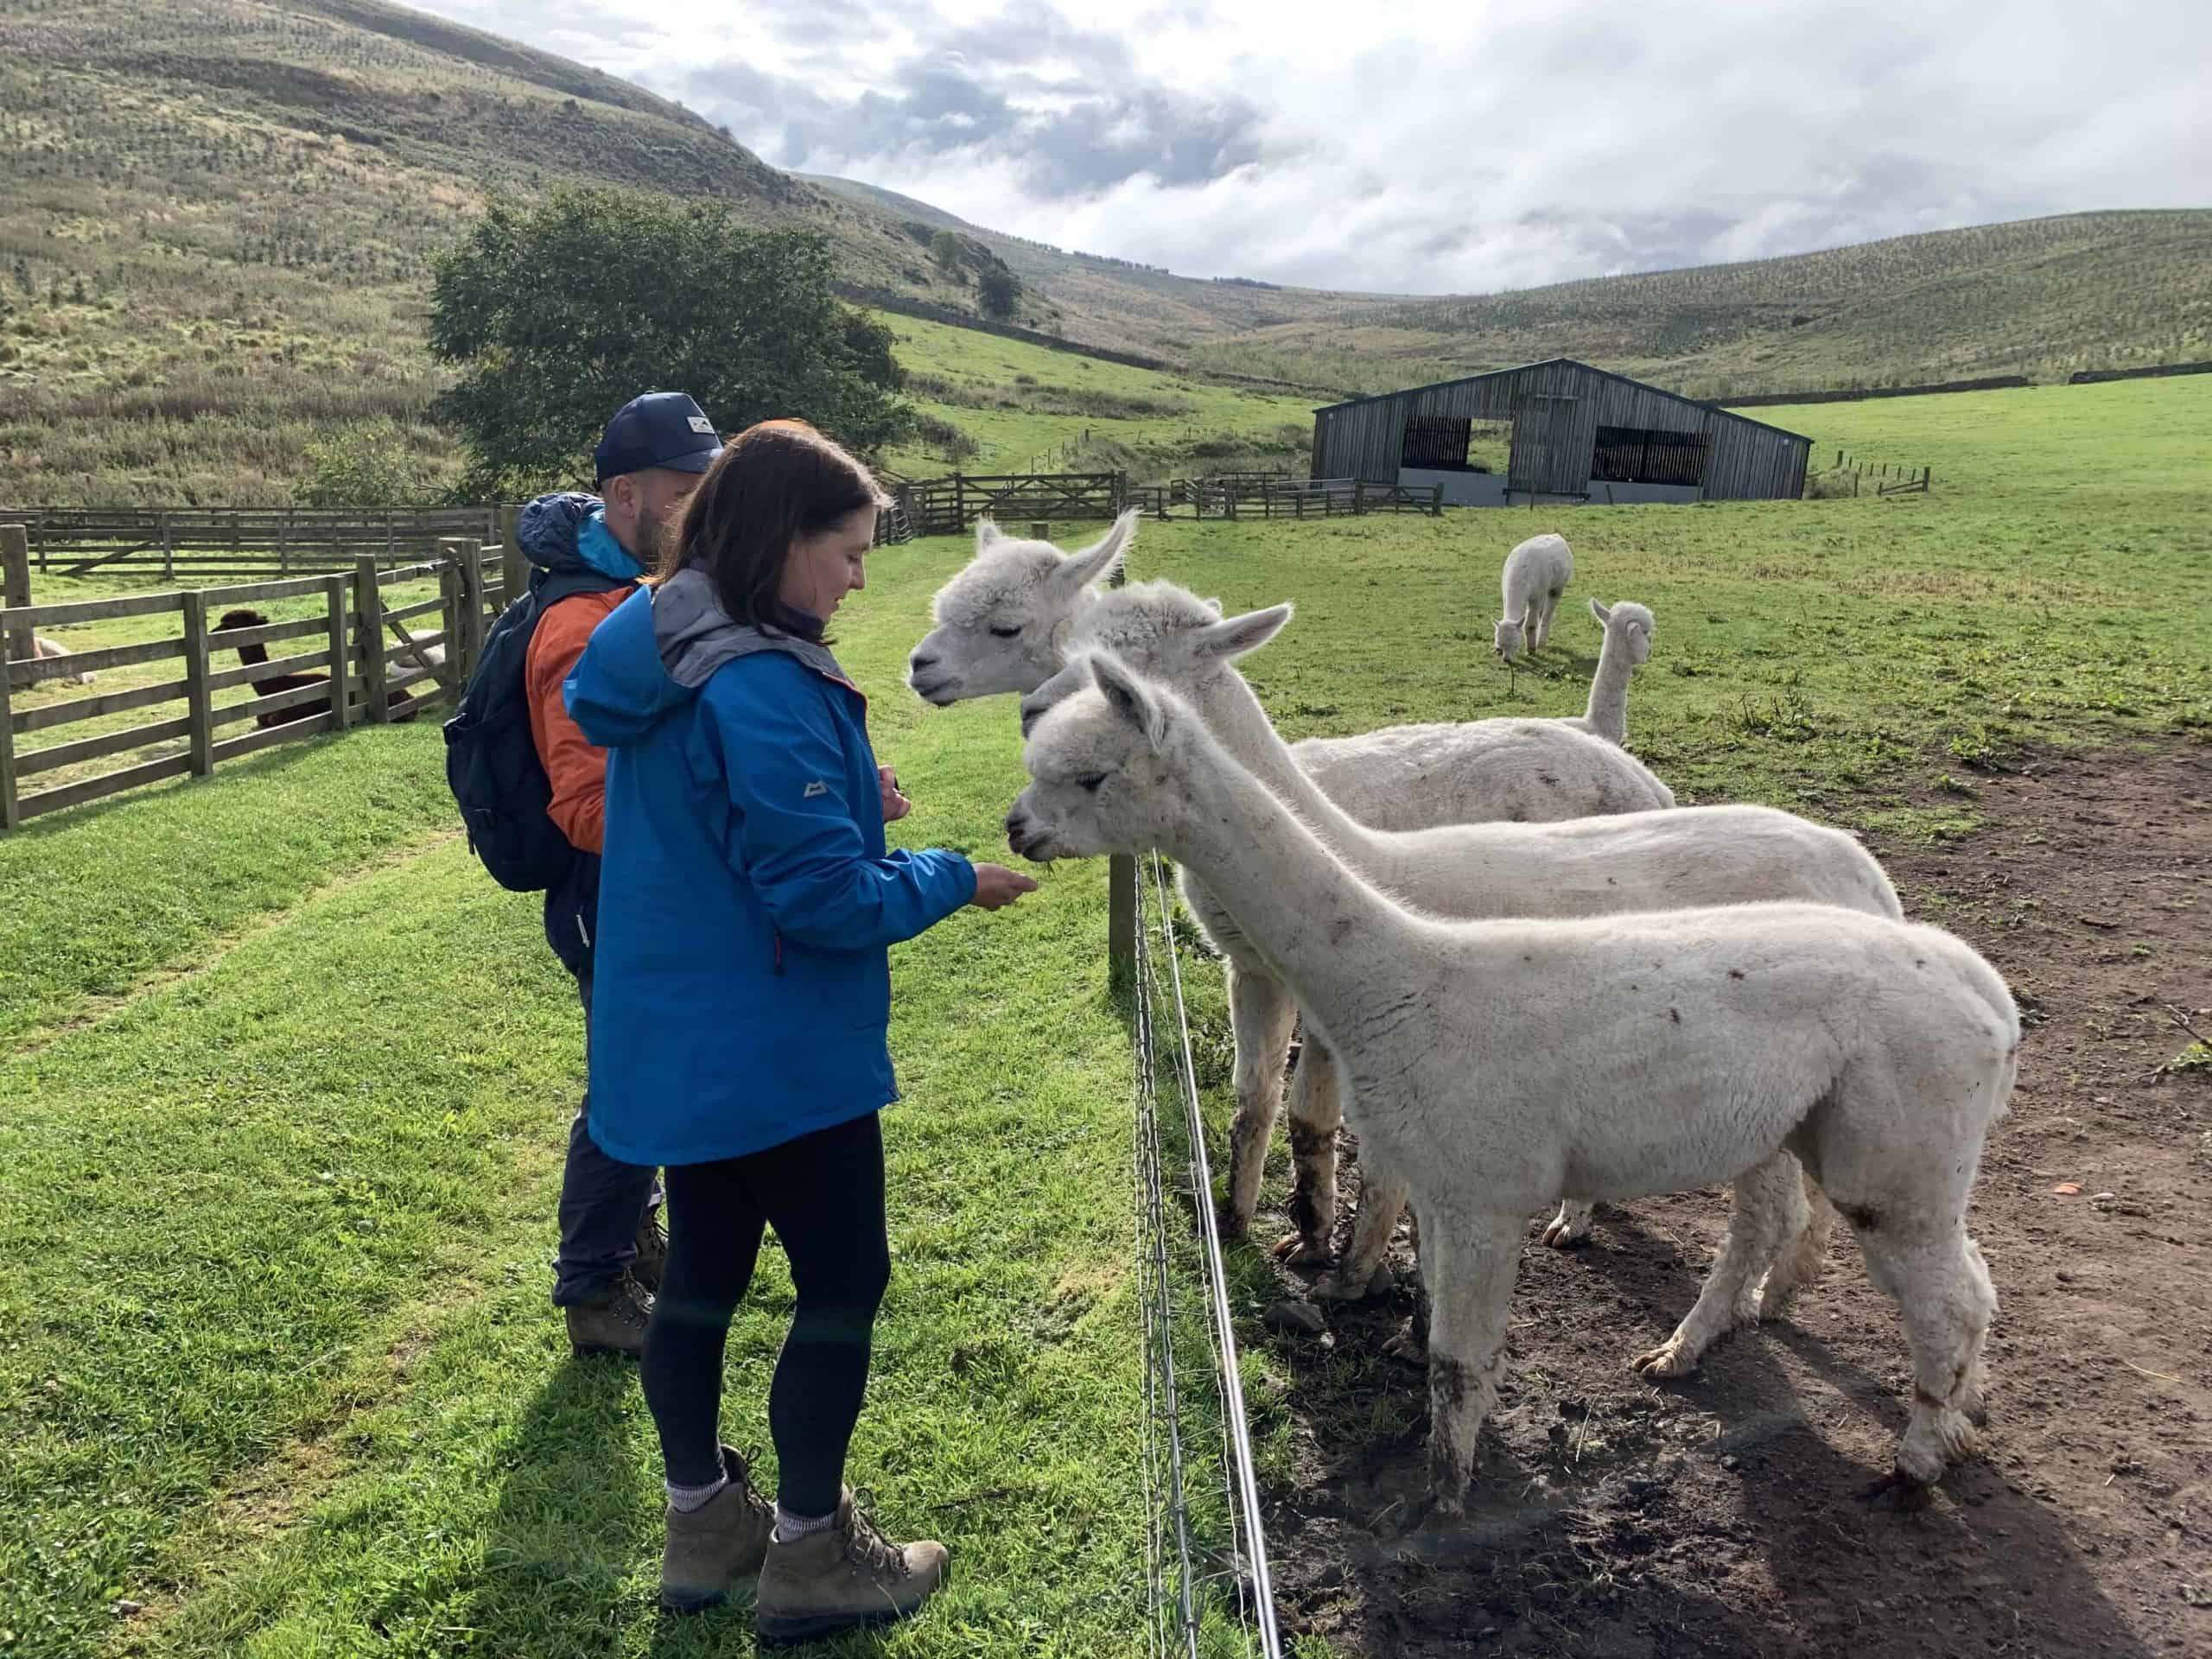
(945, 506)
(240, 541)
(1275, 495)
(368, 677)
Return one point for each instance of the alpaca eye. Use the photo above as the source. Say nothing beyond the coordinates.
(1005, 634)
(1091, 781)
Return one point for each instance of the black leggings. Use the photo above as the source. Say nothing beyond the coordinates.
(824, 1195)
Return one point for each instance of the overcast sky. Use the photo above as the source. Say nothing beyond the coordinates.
(1429, 148)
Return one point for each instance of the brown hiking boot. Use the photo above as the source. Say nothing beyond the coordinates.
(652, 1251)
(716, 1545)
(612, 1323)
(845, 1575)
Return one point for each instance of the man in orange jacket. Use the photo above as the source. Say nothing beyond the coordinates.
(649, 459)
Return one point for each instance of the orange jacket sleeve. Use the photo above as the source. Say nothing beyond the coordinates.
(576, 769)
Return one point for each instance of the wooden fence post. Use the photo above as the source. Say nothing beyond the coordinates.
(1436, 500)
(342, 658)
(514, 568)
(462, 554)
(199, 699)
(15, 588)
(368, 607)
(1120, 896)
(1039, 531)
(11, 814)
(959, 502)
(168, 551)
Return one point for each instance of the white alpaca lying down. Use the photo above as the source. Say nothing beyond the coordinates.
(1678, 1049)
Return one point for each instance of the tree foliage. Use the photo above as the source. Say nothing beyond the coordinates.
(366, 465)
(560, 312)
(998, 290)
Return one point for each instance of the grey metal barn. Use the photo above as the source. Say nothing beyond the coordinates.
(1579, 432)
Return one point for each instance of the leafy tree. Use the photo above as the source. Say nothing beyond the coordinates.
(366, 465)
(945, 249)
(560, 312)
(998, 290)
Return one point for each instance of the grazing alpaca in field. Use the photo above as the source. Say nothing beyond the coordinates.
(1665, 860)
(42, 646)
(1009, 621)
(1679, 1049)
(1628, 628)
(270, 685)
(1537, 573)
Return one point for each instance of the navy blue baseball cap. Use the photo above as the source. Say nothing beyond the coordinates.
(657, 428)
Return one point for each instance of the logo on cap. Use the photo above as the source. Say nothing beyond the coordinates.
(700, 423)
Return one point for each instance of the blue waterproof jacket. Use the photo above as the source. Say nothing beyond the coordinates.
(742, 991)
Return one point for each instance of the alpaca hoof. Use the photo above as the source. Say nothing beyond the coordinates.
(1300, 1251)
(1563, 1234)
(1348, 1285)
(1408, 1347)
(1228, 1223)
(1670, 1358)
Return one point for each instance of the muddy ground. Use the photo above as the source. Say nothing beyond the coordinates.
(1720, 1514)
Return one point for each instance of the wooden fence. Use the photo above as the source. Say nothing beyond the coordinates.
(368, 677)
(1274, 495)
(1883, 478)
(240, 541)
(945, 506)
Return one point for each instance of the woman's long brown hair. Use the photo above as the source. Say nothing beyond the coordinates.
(772, 484)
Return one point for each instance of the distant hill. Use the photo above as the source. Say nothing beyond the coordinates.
(215, 217)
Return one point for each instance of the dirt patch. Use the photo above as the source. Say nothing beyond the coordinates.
(1721, 1515)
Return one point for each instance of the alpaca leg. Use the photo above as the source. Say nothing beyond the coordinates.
(1470, 1267)
(1316, 1111)
(1571, 1226)
(1974, 1398)
(1259, 1015)
(1365, 1269)
(1942, 1288)
(1804, 1253)
(1758, 1208)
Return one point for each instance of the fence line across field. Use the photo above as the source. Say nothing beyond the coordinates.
(364, 671)
(1243, 1579)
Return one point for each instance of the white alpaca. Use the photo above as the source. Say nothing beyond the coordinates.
(1009, 621)
(1537, 573)
(1628, 629)
(42, 646)
(1678, 1049)
(1667, 859)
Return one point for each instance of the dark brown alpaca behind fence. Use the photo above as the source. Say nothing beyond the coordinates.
(401, 704)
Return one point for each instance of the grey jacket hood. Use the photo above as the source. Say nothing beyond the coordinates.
(694, 636)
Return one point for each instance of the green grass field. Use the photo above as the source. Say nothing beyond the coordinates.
(288, 1077)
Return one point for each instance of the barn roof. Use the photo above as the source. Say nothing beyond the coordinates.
(1575, 363)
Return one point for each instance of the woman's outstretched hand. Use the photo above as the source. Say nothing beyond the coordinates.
(895, 805)
(997, 887)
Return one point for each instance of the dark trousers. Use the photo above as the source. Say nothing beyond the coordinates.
(603, 1204)
(824, 1195)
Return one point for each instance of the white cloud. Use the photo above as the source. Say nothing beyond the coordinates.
(1440, 147)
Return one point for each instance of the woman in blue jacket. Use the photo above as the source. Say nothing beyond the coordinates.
(741, 1004)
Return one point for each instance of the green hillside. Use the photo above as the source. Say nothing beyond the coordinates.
(215, 217)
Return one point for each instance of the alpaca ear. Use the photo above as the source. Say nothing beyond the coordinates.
(1603, 613)
(1129, 697)
(988, 532)
(1241, 634)
(1213, 605)
(1079, 570)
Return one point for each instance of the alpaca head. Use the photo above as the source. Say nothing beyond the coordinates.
(1163, 633)
(1505, 638)
(1628, 622)
(1002, 622)
(240, 619)
(1103, 767)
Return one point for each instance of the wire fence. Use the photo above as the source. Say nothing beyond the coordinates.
(1204, 1598)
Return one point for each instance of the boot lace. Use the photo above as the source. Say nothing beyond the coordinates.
(869, 1549)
